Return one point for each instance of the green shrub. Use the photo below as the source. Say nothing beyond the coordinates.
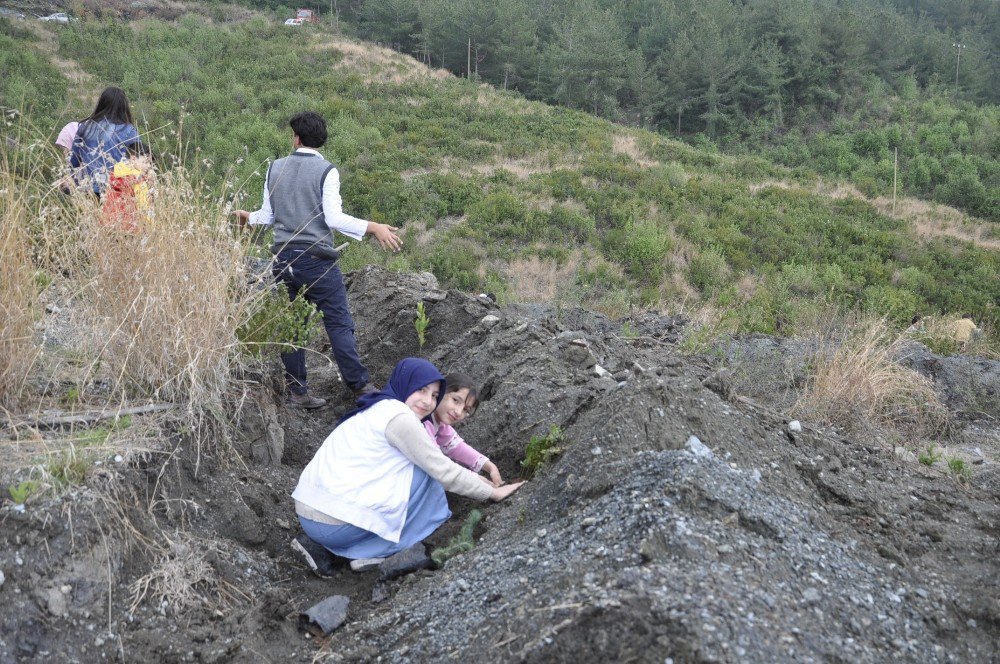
(279, 323)
(542, 449)
(455, 264)
(708, 271)
(641, 248)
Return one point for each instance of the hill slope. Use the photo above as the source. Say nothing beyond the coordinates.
(530, 201)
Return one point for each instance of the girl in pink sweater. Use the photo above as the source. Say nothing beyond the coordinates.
(460, 400)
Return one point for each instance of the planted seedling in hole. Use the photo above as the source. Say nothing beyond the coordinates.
(542, 449)
(930, 457)
(420, 323)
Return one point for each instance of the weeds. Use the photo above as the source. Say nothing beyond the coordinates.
(959, 469)
(460, 543)
(542, 449)
(21, 492)
(930, 457)
(860, 385)
(19, 307)
(420, 324)
(67, 468)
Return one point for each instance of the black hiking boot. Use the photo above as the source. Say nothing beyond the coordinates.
(319, 560)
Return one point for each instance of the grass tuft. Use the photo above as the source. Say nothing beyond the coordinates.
(859, 386)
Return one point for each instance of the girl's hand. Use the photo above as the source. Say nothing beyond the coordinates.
(491, 469)
(502, 492)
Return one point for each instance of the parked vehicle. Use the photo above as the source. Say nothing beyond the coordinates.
(60, 17)
(293, 21)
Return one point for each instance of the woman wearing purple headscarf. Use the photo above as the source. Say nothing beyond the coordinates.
(376, 486)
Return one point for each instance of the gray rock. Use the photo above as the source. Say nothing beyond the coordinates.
(811, 595)
(489, 321)
(380, 593)
(698, 448)
(601, 372)
(326, 616)
(55, 602)
(795, 426)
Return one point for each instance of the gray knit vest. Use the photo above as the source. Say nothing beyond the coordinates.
(295, 186)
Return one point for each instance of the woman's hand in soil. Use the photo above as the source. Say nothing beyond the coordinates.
(491, 469)
(502, 492)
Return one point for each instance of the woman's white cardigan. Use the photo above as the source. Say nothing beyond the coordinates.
(358, 476)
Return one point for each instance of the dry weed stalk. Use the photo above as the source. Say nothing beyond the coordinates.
(182, 578)
(860, 385)
(18, 293)
(165, 301)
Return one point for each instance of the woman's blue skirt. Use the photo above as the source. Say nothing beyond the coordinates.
(426, 510)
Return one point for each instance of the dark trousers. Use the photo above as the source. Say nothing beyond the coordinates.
(321, 283)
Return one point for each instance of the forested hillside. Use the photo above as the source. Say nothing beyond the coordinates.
(527, 200)
(836, 86)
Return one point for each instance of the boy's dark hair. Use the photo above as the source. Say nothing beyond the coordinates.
(310, 128)
(113, 106)
(458, 381)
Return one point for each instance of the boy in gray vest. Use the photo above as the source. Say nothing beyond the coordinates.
(302, 202)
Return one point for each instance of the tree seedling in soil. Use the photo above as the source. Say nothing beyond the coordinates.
(420, 324)
(959, 469)
(930, 457)
(542, 449)
(460, 543)
(20, 493)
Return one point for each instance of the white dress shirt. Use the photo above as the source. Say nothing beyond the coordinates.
(333, 207)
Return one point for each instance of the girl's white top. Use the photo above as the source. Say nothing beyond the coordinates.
(358, 477)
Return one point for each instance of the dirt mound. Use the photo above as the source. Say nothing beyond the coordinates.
(634, 543)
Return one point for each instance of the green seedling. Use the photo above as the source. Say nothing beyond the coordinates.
(959, 469)
(930, 457)
(42, 280)
(420, 323)
(279, 323)
(542, 449)
(20, 493)
(460, 543)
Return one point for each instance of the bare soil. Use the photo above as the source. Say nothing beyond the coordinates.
(630, 545)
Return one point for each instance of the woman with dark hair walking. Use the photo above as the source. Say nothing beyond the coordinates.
(102, 139)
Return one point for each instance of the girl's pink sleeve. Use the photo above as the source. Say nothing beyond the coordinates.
(459, 451)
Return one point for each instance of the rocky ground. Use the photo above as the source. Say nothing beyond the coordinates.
(753, 542)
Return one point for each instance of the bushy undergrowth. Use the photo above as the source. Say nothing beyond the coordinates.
(496, 180)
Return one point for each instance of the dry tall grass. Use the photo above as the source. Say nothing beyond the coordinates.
(18, 293)
(860, 386)
(164, 302)
(146, 315)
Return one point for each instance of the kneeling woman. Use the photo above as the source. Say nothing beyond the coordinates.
(376, 486)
